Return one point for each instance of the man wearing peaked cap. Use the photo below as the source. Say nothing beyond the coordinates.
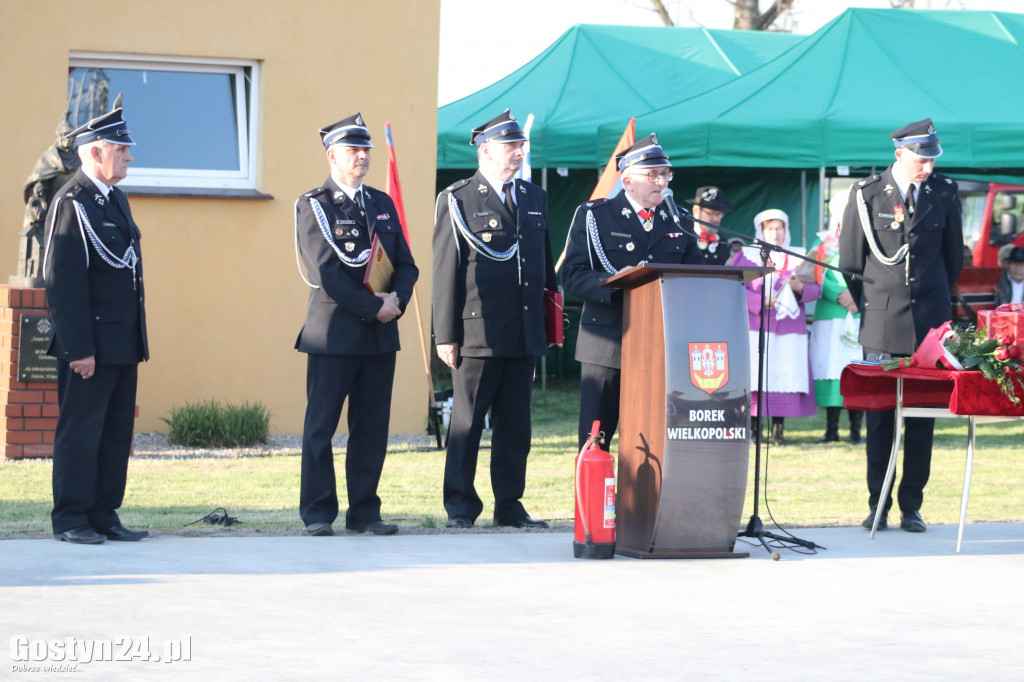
(709, 206)
(93, 270)
(492, 263)
(350, 336)
(902, 229)
(606, 236)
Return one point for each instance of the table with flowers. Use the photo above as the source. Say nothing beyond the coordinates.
(916, 391)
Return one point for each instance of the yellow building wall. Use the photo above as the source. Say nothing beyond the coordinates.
(224, 297)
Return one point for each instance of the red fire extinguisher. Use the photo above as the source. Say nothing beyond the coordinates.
(595, 500)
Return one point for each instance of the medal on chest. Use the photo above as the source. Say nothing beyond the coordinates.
(900, 217)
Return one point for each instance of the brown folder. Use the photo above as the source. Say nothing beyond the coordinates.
(379, 270)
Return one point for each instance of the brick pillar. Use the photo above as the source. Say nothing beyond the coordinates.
(28, 410)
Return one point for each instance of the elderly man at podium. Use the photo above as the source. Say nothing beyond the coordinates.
(606, 236)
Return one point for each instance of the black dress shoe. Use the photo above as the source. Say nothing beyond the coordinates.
(912, 522)
(123, 534)
(458, 522)
(376, 527)
(319, 529)
(83, 535)
(524, 522)
(870, 521)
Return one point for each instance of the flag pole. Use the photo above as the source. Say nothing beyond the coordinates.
(393, 188)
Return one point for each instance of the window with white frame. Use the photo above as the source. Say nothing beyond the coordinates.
(194, 120)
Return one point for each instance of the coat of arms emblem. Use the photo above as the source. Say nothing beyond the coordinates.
(709, 365)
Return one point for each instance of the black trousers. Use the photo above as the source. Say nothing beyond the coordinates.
(91, 445)
(504, 386)
(917, 457)
(599, 400)
(366, 380)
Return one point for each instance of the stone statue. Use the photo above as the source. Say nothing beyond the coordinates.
(54, 168)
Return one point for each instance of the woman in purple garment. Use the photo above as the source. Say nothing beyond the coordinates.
(789, 391)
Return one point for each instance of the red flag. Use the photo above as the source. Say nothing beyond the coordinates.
(609, 182)
(611, 175)
(391, 184)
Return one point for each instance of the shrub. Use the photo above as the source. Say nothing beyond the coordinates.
(210, 424)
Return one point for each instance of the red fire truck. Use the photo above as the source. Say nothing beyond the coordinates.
(992, 219)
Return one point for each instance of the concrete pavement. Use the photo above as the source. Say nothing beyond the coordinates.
(513, 607)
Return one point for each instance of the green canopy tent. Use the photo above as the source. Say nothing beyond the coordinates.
(832, 100)
(602, 73)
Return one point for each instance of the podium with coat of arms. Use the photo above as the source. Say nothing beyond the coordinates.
(684, 427)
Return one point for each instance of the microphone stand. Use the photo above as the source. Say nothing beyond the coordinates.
(755, 528)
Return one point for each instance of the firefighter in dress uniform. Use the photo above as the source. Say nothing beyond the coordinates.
(903, 229)
(492, 263)
(93, 271)
(350, 336)
(607, 236)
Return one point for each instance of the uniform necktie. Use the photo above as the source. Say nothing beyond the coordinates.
(358, 198)
(509, 203)
(911, 204)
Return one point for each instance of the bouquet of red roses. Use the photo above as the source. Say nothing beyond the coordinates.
(970, 349)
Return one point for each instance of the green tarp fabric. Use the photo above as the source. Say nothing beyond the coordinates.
(593, 74)
(833, 98)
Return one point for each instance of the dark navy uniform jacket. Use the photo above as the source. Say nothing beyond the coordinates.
(625, 243)
(492, 308)
(96, 308)
(341, 316)
(912, 296)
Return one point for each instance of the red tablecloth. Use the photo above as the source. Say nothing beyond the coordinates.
(869, 387)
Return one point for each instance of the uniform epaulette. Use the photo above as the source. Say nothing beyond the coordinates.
(455, 185)
(939, 177)
(867, 181)
(314, 192)
(598, 202)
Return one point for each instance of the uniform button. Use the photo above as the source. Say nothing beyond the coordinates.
(522, 260)
(913, 279)
(526, 284)
(913, 300)
(526, 307)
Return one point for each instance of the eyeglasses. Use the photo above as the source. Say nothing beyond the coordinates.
(658, 176)
(878, 357)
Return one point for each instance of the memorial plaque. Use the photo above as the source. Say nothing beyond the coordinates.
(33, 362)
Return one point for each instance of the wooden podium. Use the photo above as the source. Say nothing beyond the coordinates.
(684, 424)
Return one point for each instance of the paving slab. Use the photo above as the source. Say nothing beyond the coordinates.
(513, 607)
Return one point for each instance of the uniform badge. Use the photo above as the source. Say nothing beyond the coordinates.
(99, 199)
(339, 195)
(709, 365)
(626, 212)
(350, 246)
(486, 236)
(662, 214)
(630, 246)
(493, 222)
(482, 188)
(522, 189)
(648, 225)
(888, 189)
(355, 231)
(359, 119)
(383, 216)
(927, 189)
(339, 231)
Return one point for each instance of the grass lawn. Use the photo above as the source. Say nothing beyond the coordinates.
(806, 485)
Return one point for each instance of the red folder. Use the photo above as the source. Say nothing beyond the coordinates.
(554, 317)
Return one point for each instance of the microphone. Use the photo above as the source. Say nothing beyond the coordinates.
(666, 196)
